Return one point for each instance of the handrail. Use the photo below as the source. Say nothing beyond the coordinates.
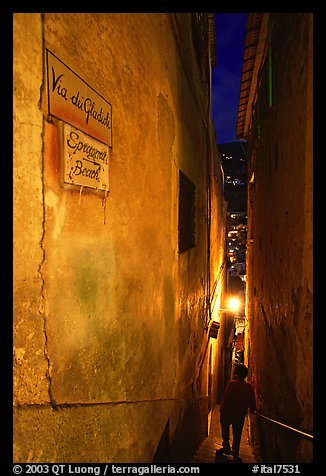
(294, 430)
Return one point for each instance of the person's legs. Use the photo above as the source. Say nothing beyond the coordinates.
(225, 427)
(237, 427)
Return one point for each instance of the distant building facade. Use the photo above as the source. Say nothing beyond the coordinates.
(233, 155)
(119, 236)
(275, 116)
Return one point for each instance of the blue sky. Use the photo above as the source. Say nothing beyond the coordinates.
(230, 34)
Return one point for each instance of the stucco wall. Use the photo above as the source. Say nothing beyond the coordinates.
(109, 321)
(279, 286)
(31, 361)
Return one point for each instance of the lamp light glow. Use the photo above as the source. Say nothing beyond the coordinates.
(234, 303)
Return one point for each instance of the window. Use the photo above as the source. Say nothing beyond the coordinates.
(187, 221)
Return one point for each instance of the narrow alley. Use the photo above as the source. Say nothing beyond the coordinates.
(206, 452)
(140, 287)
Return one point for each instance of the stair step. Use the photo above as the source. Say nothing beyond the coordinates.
(207, 451)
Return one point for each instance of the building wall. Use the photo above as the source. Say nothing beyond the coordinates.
(218, 283)
(279, 258)
(110, 320)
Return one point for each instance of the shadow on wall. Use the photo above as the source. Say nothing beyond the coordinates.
(177, 448)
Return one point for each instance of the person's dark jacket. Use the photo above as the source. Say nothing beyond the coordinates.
(237, 398)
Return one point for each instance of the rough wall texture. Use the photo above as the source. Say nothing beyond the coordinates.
(279, 287)
(109, 317)
(31, 363)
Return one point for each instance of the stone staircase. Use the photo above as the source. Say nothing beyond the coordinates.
(206, 453)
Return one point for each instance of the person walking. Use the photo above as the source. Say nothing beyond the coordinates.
(237, 398)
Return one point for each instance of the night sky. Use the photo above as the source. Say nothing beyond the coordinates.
(230, 35)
